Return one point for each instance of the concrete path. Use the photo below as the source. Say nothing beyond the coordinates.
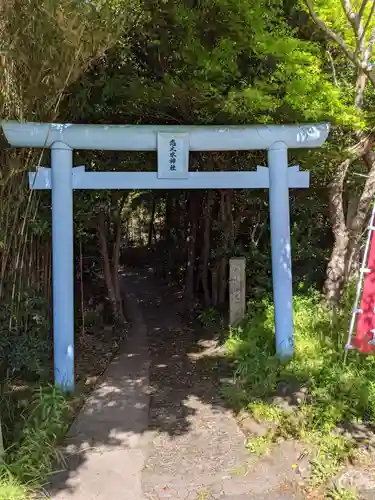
(155, 428)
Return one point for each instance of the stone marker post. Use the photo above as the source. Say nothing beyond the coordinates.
(237, 290)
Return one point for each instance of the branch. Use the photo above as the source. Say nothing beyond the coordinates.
(341, 42)
(360, 89)
(331, 34)
(335, 81)
(369, 17)
(371, 42)
(364, 144)
(356, 20)
(350, 14)
(362, 8)
(348, 9)
(361, 28)
(370, 47)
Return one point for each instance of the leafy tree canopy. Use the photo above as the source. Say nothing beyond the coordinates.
(222, 61)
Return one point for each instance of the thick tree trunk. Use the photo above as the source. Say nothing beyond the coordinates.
(358, 222)
(348, 230)
(336, 269)
(353, 259)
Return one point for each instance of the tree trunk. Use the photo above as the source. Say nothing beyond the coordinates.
(358, 222)
(168, 237)
(108, 276)
(336, 269)
(151, 223)
(348, 230)
(2, 451)
(191, 248)
(116, 265)
(207, 247)
(347, 237)
(103, 240)
(352, 259)
(228, 236)
(214, 286)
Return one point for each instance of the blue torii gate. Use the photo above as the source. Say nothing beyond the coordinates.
(172, 144)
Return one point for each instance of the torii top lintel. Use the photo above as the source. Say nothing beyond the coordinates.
(144, 137)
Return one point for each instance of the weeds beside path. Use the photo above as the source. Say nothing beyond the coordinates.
(31, 458)
(36, 418)
(314, 397)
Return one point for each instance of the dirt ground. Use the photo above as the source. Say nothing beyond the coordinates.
(156, 426)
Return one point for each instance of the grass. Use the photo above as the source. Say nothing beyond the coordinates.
(11, 489)
(203, 495)
(342, 494)
(336, 392)
(260, 445)
(30, 460)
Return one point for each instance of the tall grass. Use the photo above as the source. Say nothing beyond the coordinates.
(44, 47)
(337, 393)
(30, 459)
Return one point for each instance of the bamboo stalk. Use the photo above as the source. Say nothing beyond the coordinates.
(81, 285)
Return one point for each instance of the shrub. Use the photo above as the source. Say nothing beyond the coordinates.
(25, 341)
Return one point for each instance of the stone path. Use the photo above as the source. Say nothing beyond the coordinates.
(155, 428)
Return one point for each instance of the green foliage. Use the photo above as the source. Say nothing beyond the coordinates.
(265, 412)
(180, 66)
(333, 14)
(30, 460)
(342, 494)
(47, 45)
(208, 317)
(337, 392)
(11, 489)
(260, 445)
(25, 339)
(332, 452)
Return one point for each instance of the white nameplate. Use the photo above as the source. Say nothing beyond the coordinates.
(173, 156)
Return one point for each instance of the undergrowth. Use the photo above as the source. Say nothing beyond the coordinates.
(30, 459)
(337, 393)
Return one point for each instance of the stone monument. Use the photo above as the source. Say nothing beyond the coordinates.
(237, 290)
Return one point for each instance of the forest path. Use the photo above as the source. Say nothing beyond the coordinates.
(156, 427)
